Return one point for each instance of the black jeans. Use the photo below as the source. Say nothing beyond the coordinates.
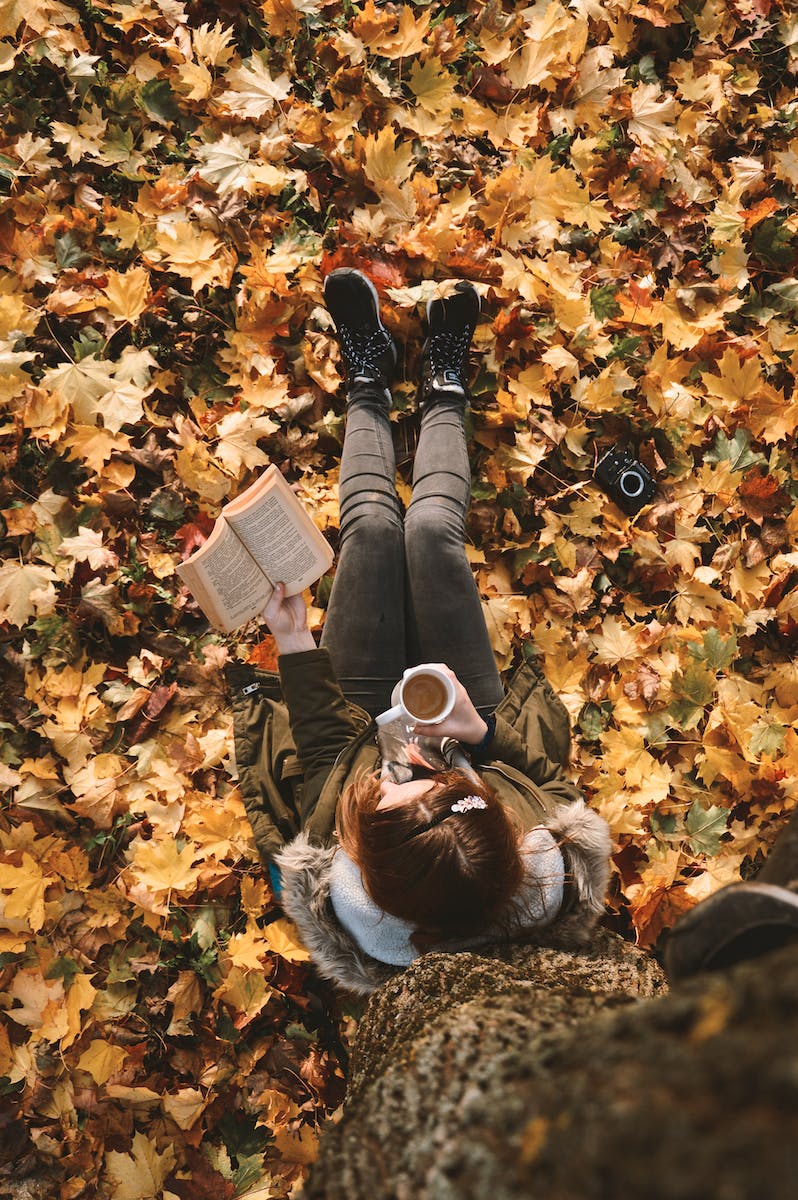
(403, 591)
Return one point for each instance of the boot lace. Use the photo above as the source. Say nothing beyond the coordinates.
(361, 349)
(448, 350)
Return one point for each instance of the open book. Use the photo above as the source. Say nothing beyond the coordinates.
(262, 537)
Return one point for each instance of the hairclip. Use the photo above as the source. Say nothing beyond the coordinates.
(467, 803)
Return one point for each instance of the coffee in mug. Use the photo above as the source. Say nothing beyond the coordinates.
(424, 696)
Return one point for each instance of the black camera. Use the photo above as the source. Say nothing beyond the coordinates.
(625, 480)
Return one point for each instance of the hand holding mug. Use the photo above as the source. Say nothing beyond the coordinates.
(463, 721)
(431, 700)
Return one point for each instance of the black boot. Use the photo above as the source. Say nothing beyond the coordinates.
(367, 348)
(743, 920)
(451, 321)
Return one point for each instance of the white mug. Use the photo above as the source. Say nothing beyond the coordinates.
(424, 695)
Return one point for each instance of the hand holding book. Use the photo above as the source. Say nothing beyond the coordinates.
(287, 618)
(262, 536)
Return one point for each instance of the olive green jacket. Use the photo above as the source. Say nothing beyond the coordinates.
(299, 743)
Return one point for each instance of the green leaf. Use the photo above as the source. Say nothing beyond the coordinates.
(157, 99)
(662, 824)
(644, 71)
(166, 505)
(592, 722)
(64, 969)
(692, 691)
(773, 242)
(90, 341)
(632, 228)
(783, 295)
(736, 450)
(8, 169)
(624, 347)
(323, 591)
(242, 1135)
(767, 737)
(559, 146)
(717, 652)
(298, 1032)
(248, 1172)
(603, 302)
(119, 969)
(705, 826)
(69, 252)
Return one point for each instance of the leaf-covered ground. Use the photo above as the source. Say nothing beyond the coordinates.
(620, 180)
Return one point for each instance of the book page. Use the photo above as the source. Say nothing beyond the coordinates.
(278, 532)
(225, 580)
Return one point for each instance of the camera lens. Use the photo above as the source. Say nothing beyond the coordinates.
(631, 484)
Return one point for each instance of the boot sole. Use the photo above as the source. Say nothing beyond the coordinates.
(739, 922)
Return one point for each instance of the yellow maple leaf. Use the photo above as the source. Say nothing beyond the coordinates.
(87, 546)
(251, 91)
(212, 44)
(238, 435)
(648, 781)
(194, 81)
(141, 1174)
(500, 621)
(772, 416)
(124, 226)
(737, 381)
(195, 467)
(616, 643)
(196, 254)
(185, 1106)
(122, 405)
(161, 866)
(127, 293)
(95, 445)
(245, 991)
(94, 783)
(283, 939)
(41, 1004)
(410, 37)
(226, 164)
(15, 12)
(102, 1060)
(301, 1146)
(185, 995)
(432, 85)
(653, 114)
(221, 830)
(82, 381)
(521, 460)
(254, 895)
(25, 590)
(247, 950)
(386, 161)
(27, 885)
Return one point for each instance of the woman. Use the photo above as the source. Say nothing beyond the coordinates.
(376, 865)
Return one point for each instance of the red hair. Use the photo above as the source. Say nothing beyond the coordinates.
(448, 874)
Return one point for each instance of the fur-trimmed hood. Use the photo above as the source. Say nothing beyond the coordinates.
(305, 872)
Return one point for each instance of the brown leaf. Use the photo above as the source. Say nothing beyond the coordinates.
(760, 494)
(145, 726)
(644, 686)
